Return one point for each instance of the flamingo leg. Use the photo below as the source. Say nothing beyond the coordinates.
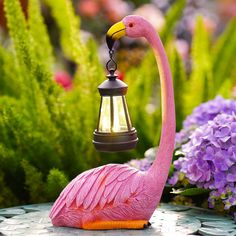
(127, 224)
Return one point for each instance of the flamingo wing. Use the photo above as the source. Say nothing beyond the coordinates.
(109, 184)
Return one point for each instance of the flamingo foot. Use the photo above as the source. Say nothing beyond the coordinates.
(127, 224)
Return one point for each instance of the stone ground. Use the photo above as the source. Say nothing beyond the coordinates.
(33, 220)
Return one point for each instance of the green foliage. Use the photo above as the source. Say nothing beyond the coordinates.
(18, 30)
(39, 36)
(7, 198)
(8, 72)
(69, 25)
(212, 66)
(179, 78)
(200, 84)
(190, 191)
(44, 128)
(33, 182)
(56, 181)
(224, 56)
(172, 17)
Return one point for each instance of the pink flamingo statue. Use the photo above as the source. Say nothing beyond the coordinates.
(116, 196)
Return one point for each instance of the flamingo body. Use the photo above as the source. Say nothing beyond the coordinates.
(111, 192)
(115, 195)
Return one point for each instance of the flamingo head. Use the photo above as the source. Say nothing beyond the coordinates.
(132, 26)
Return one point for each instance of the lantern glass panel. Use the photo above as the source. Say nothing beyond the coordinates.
(120, 121)
(105, 116)
(127, 113)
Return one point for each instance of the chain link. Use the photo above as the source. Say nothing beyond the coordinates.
(111, 64)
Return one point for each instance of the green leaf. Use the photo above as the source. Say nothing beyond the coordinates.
(199, 87)
(224, 56)
(69, 25)
(7, 197)
(25, 56)
(171, 171)
(9, 85)
(179, 79)
(173, 15)
(33, 182)
(56, 181)
(225, 90)
(190, 191)
(18, 30)
(40, 41)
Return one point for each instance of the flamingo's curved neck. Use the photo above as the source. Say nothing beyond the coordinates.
(161, 165)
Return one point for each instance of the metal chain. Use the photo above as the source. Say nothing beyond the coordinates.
(111, 64)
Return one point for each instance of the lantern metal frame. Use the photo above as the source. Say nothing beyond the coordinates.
(114, 141)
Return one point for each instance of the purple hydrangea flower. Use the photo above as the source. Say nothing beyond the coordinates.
(202, 114)
(210, 159)
(145, 163)
(141, 164)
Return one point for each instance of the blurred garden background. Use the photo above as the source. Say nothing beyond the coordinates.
(52, 57)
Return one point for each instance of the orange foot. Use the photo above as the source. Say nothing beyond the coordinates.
(128, 224)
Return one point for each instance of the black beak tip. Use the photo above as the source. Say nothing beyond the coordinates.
(110, 42)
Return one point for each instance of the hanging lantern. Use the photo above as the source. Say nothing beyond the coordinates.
(114, 129)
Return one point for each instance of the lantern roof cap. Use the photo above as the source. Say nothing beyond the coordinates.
(112, 86)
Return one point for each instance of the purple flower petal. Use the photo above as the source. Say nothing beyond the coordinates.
(220, 181)
(233, 138)
(231, 178)
(233, 127)
(222, 132)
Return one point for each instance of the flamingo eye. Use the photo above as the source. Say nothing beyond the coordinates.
(131, 24)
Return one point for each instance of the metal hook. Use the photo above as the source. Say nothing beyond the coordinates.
(111, 64)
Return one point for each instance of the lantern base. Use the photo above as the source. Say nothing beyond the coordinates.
(115, 142)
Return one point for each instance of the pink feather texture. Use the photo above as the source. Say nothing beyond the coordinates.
(117, 192)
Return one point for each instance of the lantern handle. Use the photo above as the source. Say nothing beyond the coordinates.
(111, 64)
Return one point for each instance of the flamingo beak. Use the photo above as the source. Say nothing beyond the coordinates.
(114, 33)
